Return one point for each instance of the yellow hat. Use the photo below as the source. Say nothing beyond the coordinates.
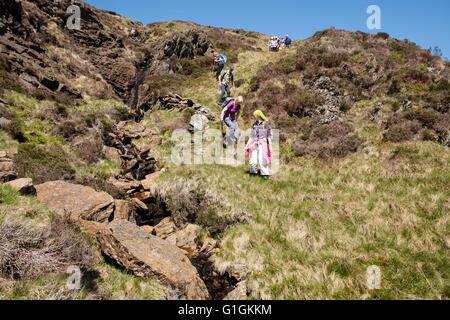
(260, 114)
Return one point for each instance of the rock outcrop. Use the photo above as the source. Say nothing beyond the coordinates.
(176, 102)
(188, 45)
(240, 293)
(7, 172)
(146, 255)
(35, 39)
(76, 200)
(186, 239)
(23, 185)
(124, 210)
(199, 122)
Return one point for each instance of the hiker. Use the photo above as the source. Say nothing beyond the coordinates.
(273, 44)
(259, 147)
(226, 81)
(220, 59)
(230, 115)
(288, 41)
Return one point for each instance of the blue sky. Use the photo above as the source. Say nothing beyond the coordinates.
(426, 23)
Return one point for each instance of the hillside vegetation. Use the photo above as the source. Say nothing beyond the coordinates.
(364, 145)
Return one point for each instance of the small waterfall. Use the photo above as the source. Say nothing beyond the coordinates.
(139, 171)
(125, 149)
(141, 70)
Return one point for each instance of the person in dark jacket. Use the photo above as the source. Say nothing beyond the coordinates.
(226, 83)
(220, 64)
(288, 41)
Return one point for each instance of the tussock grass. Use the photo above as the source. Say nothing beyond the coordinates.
(319, 225)
(191, 201)
(37, 237)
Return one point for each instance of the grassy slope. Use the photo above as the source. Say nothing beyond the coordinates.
(102, 281)
(319, 225)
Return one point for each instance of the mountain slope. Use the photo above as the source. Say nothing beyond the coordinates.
(364, 152)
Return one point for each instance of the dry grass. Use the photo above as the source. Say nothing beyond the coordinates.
(320, 225)
(27, 253)
(36, 247)
(191, 201)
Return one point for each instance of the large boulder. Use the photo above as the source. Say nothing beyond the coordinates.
(188, 45)
(79, 201)
(148, 256)
(239, 293)
(23, 185)
(149, 180)
(123, 210)
(165, 228)
(112, 154)
(199, 122)
(186, 239)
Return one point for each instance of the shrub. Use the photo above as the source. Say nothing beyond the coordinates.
(395, 86)
(42, 163)
(16, 129)
(428, 117)
(188, 113)
(190, 201)
(320, 34)
(106, 126)
(404, 152)
(38, 95)
(403, 131)
(443, 123)
(11, 85)
(302, 104)
(61, 110)
(121, 113)
(443, 85)
(254, 84)
(429, 135)
(173, 124)
(68, 129)
(89, 149)
(417, 76)
(239, 82)
(393, 60)
(196, 66)
(233, 57)
(5, 64)
(344, 106)
(332, 60)
(382, 35)
(26, 253)
(334, 140)
(6, 113)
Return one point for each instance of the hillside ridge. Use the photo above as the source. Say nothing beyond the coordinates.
(86, 124)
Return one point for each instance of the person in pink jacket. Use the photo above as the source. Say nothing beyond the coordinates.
(259, 148)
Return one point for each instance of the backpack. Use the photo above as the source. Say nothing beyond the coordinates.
(224, 58)
(230, 74)
(226, 102)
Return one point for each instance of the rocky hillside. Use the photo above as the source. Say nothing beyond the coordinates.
(335, 70)
(86, 118)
